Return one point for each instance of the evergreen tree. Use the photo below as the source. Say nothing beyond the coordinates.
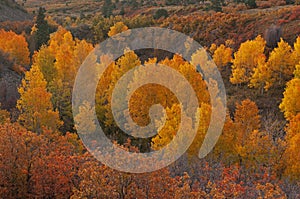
(216, 5)
(250, 3)
(107, 8)
(43, 29)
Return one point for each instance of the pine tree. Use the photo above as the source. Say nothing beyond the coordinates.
(43, 30)
(107, 8)
(251, 3)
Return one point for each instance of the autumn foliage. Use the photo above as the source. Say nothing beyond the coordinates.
(41, 155)
(16, 46)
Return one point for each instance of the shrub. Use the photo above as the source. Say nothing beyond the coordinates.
(264, 4)
(251, 3)
(161, 13)
(290, 2)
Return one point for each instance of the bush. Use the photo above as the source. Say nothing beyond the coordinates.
(290, 2)
(280, 3)
(161, 13)
(251, 3)
(264, 4)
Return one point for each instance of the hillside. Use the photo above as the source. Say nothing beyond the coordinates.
(11, 11)
(76, 124)
(63, 8)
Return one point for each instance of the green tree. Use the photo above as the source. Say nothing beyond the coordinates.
(43, 30)
(250, 3)
(161, 13)
(107, 8)
(216, 5)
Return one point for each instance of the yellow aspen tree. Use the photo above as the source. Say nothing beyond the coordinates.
(81, 51)
(297, 50)
(291, 155)
(293, 128)
(246, 120)
(168, 132)
(64, 58)
(105, 89)
(204, 114)
(119, 27)
(146, 96)
(246, 59)
(234, 145)
(281, 62)
(225, 147)
(124, 64)
(292, 159)
(222, 56)
(259, 150)
(45, 60)
(36, 110)
(297, 71)
(102, 92)
(291, 107)
(56, 39)
(190, 73)
(204, 111)
(261, 77)
(174, 63)
(290, 104)
(59, 62)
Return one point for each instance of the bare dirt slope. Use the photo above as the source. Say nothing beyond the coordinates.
(11, 11)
